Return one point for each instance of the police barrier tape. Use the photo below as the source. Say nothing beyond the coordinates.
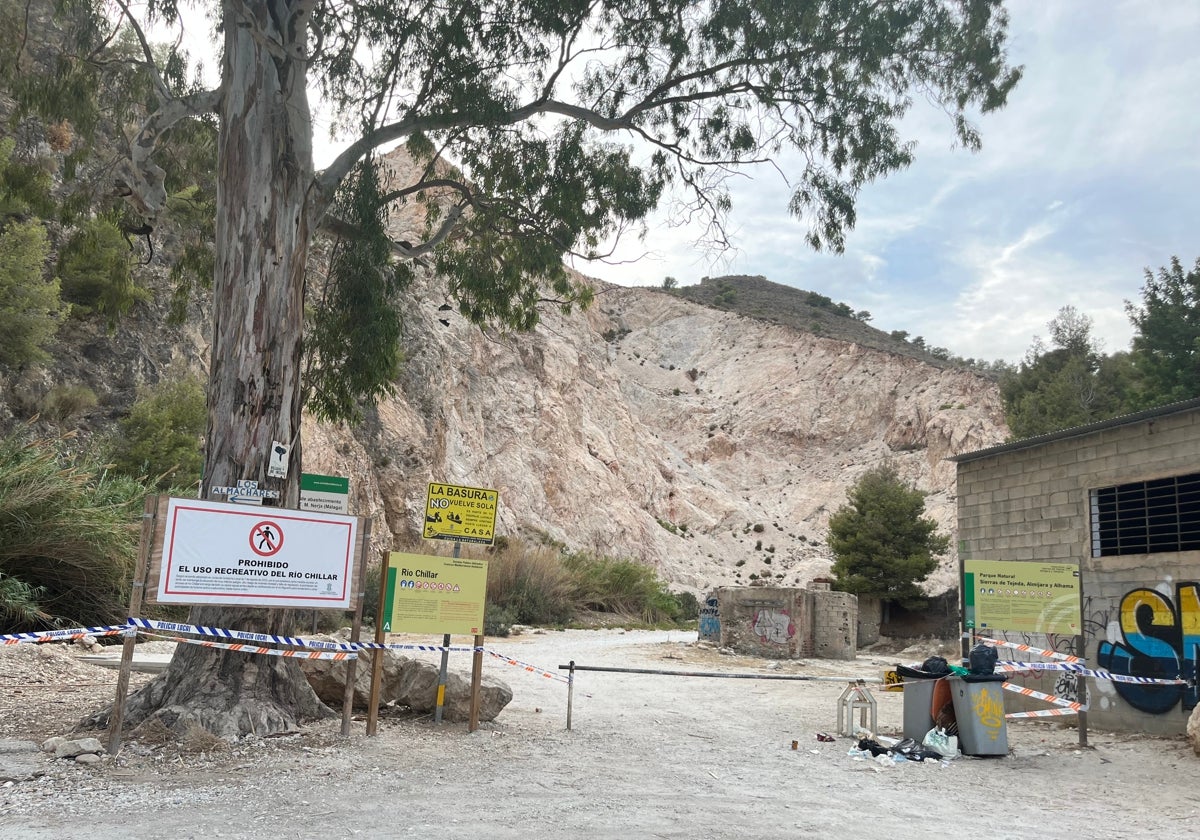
(1041, 713)
(1048, 654)
(1012, 667)
(1049, 698)
(69, 635)
(533, 669)
(317, 644)
(241, 647)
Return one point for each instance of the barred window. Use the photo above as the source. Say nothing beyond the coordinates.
(1147, 517)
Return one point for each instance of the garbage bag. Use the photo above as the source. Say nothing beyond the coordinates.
(872, 746)
(982, 659)
(941, 743)
(936, 665)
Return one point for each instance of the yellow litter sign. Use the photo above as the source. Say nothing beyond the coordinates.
(462, 514)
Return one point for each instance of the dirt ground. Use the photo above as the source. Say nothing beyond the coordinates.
(647, 756)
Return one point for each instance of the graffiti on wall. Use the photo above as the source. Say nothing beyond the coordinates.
(710, 620)
(773, 627)
(1155, 636)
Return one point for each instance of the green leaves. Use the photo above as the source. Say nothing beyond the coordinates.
(882, 544)
(353, 351)
(30, 308)
(160, 440)
(1166, 343)
(1072, 384)
(95, 268)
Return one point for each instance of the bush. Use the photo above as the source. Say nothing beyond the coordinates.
(529, 586)
(624, 587)
(689, 606)
(30, 307)
(68, 537)
(95, 269)
(67, 401)
(161, 436)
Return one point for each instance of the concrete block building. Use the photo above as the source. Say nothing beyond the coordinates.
(1121, 498)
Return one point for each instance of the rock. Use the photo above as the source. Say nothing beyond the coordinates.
(1193, 730)
(418, 691)
(328, 679)
(406, 682)
(88, 758)
(51, 744)
(77, 747)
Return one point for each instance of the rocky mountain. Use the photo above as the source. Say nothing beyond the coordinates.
(710, 445)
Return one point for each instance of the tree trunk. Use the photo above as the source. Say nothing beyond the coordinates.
(262, 239)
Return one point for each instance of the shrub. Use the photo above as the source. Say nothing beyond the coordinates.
(162, 434)
(95, 267)
(529, 586)
(68, 535)
(689, 606)
(30, 307)
(621, 586)
(67, 401)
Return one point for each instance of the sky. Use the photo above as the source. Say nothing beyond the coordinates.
(1086, 179)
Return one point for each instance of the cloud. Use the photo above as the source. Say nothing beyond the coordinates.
(1087, 177)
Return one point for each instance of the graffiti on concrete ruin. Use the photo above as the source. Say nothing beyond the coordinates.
(773, 627)
(710, 620)
(989, 711)
(1156, 637)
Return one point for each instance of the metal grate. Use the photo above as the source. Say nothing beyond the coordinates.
(1147, 517)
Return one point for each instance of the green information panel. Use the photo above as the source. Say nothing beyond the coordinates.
(434, 595)
(1024, 597)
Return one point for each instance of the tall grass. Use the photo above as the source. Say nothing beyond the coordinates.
(547, 585)
(68, 536)
(527, 585)
(621, 586)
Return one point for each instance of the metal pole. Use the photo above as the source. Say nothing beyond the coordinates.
(356, 626)
(445, 666)
(570, 692)
(793, 677)
(377, 659)
(476, 683)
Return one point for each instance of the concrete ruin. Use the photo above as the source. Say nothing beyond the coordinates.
(784, 622)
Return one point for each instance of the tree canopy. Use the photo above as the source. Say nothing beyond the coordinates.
(882, 544)
(1071, 383)
(1074, 383)
(1166, 341)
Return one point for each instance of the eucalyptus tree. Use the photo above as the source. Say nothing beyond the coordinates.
(541, 129)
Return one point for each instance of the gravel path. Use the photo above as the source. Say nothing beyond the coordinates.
(648, 756)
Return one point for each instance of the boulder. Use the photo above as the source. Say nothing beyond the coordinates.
(418, 691)
(77, 747)
(328, 679)
(406, 682)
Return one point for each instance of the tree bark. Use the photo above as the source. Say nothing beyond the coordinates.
(262, 240)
